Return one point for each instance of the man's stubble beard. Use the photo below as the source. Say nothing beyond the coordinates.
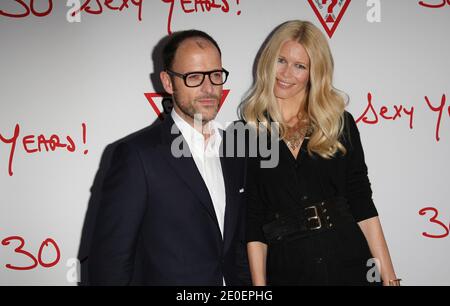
(189, 110)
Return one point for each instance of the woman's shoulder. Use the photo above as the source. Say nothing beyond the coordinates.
(350, 132)
(349, 120)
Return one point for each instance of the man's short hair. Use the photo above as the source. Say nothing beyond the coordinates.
(175, 41)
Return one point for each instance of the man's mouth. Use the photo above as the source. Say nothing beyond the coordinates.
(208, 101)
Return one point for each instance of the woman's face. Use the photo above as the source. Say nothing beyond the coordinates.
(292, 71)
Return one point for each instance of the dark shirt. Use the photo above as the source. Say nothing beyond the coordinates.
(306, 179)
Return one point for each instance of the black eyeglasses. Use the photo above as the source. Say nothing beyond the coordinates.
(196, 78)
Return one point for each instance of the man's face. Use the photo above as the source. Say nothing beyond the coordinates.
(194, 55)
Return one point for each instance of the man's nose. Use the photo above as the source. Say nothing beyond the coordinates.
(207, 86)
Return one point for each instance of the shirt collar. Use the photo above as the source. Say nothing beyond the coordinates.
(195, 139)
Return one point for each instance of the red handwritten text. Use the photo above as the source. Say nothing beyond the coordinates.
(438, 5)
(36, 260)
(39, 143)
(439, 109)
(196, 6)
(96, 7)
(385, 113)
(107, 4)
(27, 9)
(372, 115)
(443, 229)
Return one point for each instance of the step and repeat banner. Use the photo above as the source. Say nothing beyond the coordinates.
(79, 75)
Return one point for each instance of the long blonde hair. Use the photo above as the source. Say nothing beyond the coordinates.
(324, 106)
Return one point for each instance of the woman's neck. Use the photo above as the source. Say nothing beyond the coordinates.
(291, 110)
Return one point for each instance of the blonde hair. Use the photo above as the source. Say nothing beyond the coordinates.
(324, 106)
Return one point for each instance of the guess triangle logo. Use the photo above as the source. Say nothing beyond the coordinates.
(330, 13)
(162, 103)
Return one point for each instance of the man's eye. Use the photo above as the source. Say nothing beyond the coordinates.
(195, 76)
(217, 75)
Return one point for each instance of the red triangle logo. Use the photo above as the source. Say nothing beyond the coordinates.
(161, 102)
(329, 13)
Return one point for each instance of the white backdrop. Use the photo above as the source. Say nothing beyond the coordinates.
(57, 76)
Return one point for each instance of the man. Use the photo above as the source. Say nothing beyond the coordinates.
(170, 220)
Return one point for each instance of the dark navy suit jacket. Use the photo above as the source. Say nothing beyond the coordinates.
(151, 221)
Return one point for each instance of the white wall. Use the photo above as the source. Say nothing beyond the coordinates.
(56, 75)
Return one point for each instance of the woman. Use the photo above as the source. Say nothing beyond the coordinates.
(311, 219)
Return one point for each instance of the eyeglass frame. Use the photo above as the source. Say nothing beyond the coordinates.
(204, 73)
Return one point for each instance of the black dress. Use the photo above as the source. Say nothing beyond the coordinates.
(338, 256)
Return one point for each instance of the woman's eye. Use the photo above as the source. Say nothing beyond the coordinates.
(281, 60)
(300, 66)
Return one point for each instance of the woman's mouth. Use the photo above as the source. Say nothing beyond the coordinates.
(284, 84)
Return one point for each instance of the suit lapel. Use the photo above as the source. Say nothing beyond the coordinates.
(185, 167)
(231, 171)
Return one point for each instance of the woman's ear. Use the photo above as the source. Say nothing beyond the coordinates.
(166, 81)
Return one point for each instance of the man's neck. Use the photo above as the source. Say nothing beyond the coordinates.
(199, 125)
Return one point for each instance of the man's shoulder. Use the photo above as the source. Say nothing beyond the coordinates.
(149, 136)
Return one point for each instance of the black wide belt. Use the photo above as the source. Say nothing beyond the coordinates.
(309, 219)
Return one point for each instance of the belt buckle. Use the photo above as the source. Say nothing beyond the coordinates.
(315, 217)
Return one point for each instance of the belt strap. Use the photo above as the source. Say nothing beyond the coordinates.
(309, 219)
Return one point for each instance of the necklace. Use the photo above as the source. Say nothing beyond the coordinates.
(295, 135)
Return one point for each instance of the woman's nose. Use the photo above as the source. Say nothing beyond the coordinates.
(285, 71)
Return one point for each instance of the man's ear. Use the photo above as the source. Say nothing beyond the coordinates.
(166, 81)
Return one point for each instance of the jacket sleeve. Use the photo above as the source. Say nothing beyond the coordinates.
(122, 207)
(358, 187)
(255, 206)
